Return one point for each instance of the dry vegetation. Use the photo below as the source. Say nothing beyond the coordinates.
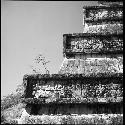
(11, 106)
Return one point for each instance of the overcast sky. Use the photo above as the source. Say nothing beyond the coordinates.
(32, 27)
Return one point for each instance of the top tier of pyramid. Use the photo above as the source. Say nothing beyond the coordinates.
(101, 42)
(104, 19)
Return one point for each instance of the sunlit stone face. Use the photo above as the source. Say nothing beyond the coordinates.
(105, 28)
(92, 65)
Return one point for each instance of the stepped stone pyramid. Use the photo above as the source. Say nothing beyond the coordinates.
(88, 88)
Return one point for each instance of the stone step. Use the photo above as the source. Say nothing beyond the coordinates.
(93, 119)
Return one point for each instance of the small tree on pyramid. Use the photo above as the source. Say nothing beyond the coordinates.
(40, 59)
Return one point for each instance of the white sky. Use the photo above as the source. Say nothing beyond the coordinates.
(32, 27)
